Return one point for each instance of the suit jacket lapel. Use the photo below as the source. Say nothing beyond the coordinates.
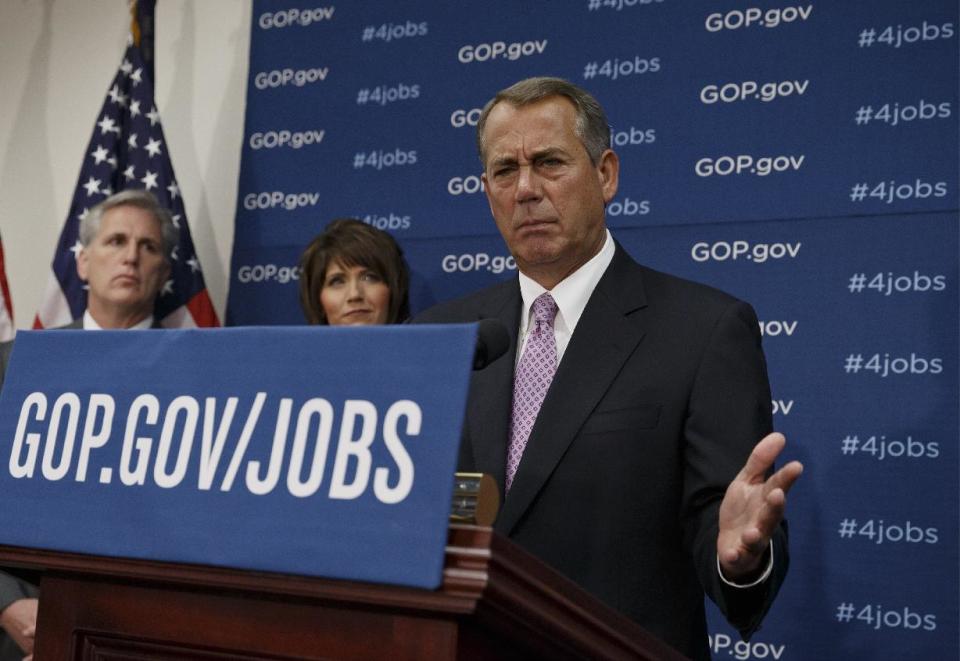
(488, 415)
(606, 335)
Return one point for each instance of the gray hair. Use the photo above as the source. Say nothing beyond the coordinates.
(90, 223)
(591, 124)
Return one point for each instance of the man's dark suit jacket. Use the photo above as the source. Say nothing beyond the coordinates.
(655, 406)
(7, 347)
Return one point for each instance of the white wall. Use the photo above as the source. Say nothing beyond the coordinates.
(56, 61)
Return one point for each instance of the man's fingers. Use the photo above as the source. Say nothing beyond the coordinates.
(763, 455)
(753, 540)
(771, 513)
(785, 478)
(729, 555)
(743, 556)
(774, 504)
(750, 541)
(776, 499)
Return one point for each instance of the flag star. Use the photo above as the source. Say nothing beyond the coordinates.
(106, 191)
(167, 288)
(150, 179)
(174, 190)
(128, 173)
(136, 76)
(92, 186)
(83, 214)
(112, 161)
(132, 141)
(176, 220)
(153, 147)
(194, 264)
(134, 108)
(153, 116)
(117, 96)
(107, 125)
(175, 253)
(77, 247)
(100, 155)
(126, 67)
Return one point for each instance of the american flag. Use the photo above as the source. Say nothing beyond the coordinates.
(6, 307)
(127, 150)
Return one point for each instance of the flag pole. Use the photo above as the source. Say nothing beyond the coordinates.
(142, 30)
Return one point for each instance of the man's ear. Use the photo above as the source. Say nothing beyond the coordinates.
(486, 189)
(608, 173)
(82, 261)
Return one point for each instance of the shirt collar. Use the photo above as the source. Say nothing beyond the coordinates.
(572, 293)
(89, 323)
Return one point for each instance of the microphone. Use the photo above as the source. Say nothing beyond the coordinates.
(492, 342)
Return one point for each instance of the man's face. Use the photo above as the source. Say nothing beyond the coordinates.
(124, 265)
(547, 197)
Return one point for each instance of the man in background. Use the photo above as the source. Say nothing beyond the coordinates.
(622, 424)
(127, 241)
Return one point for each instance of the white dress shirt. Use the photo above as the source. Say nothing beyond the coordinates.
(571, 295)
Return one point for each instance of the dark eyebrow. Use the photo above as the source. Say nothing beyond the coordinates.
(503, 160)
(538, 155)
(548, 152)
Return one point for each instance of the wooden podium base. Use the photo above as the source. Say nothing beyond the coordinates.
(496, 602)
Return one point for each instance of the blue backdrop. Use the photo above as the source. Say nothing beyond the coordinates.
(802, 156)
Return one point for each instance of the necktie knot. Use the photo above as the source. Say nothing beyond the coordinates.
(544, 309)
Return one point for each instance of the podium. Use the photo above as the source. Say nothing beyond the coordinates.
(496, 601)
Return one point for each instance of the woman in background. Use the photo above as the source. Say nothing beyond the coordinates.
(354, 274)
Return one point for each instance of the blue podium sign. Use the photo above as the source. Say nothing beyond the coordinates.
(317, 451)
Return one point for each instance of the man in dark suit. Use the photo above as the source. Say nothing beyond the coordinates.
(622, 423)
(126, 243)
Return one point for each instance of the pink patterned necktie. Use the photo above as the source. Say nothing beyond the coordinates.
(532, 380)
